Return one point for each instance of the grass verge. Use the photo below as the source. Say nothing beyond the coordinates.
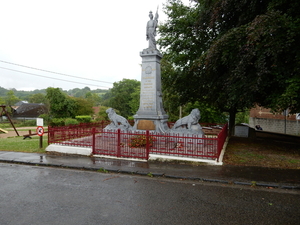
(18, 144)
(263, 153)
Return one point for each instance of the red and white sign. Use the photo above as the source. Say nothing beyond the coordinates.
(40, 130)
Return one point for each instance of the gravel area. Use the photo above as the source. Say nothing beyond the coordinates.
(21, 130)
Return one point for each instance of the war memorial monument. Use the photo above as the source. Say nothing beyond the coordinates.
(151, 114)
(120, 139)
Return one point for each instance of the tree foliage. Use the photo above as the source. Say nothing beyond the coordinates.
(134, 103)
(38, 98)
(208, 113)
(2, 101)
(102, 115)
(61, 105)
(11, 98)
(94, 98)
(172, 105)
(233, 54)
(121, 96)
(84, 106)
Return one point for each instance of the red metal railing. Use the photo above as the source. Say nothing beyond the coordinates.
(185, 146)
(74, 135)
(117, 143)
(222, 138)
(137, 144)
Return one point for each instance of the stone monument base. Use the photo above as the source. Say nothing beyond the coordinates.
(151, 114)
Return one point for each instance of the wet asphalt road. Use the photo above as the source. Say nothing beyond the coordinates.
(42, 195)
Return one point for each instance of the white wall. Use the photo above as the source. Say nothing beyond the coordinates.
(275, 125)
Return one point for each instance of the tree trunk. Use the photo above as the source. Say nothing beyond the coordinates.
(232, 114)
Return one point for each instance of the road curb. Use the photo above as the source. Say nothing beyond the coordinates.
(157, 174)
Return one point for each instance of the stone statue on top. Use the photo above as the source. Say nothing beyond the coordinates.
(151, 30)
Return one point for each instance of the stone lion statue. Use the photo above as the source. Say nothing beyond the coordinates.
(117, 121)
(188, 121)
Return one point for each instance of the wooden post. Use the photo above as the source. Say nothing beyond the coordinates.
(41, 141)
(3, 110)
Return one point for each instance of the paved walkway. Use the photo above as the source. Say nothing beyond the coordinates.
(277, 178)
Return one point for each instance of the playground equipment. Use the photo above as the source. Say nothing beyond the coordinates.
(3, 131)
(6, 114)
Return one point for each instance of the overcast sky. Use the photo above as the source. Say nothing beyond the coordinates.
(92, 39)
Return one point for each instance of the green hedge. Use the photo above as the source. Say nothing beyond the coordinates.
(57, 122)
(84, 119)
(70, 121)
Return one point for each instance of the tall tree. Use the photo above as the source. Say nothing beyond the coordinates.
(121, 96)
(85, 107)
(134, 103)
(10, 98)
(2, 101)
(172, 105)
(61, 105)
(94, 98)
(38, 98)
(233, 53)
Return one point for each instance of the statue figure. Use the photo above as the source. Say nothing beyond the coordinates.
(188, 121)
(117, 121)
(151, 30)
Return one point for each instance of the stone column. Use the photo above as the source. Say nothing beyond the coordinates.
(151, 114)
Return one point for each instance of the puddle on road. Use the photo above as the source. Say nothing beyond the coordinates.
(115, 162)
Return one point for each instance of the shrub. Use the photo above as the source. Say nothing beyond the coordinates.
(84, 119)
(140, 141)
(46, 118)
(70, 121)
(102, 115)
(57, 122)
(28, 123)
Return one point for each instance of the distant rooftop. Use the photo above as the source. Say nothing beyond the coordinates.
(21, 103)
(30, 110)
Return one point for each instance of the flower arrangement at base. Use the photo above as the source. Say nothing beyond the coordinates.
(138, 141)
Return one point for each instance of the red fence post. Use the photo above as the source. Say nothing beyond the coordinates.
(48, 135)
(147, 144)
(93, 140)
(221, 140)
(119, 143)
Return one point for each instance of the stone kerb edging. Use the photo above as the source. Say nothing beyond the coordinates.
(69, 150)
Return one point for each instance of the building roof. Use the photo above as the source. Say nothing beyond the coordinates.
(30, 110)
(265, 113)
(21, 103)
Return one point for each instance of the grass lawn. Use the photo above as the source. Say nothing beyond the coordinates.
(18, 144)
(262, 152)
